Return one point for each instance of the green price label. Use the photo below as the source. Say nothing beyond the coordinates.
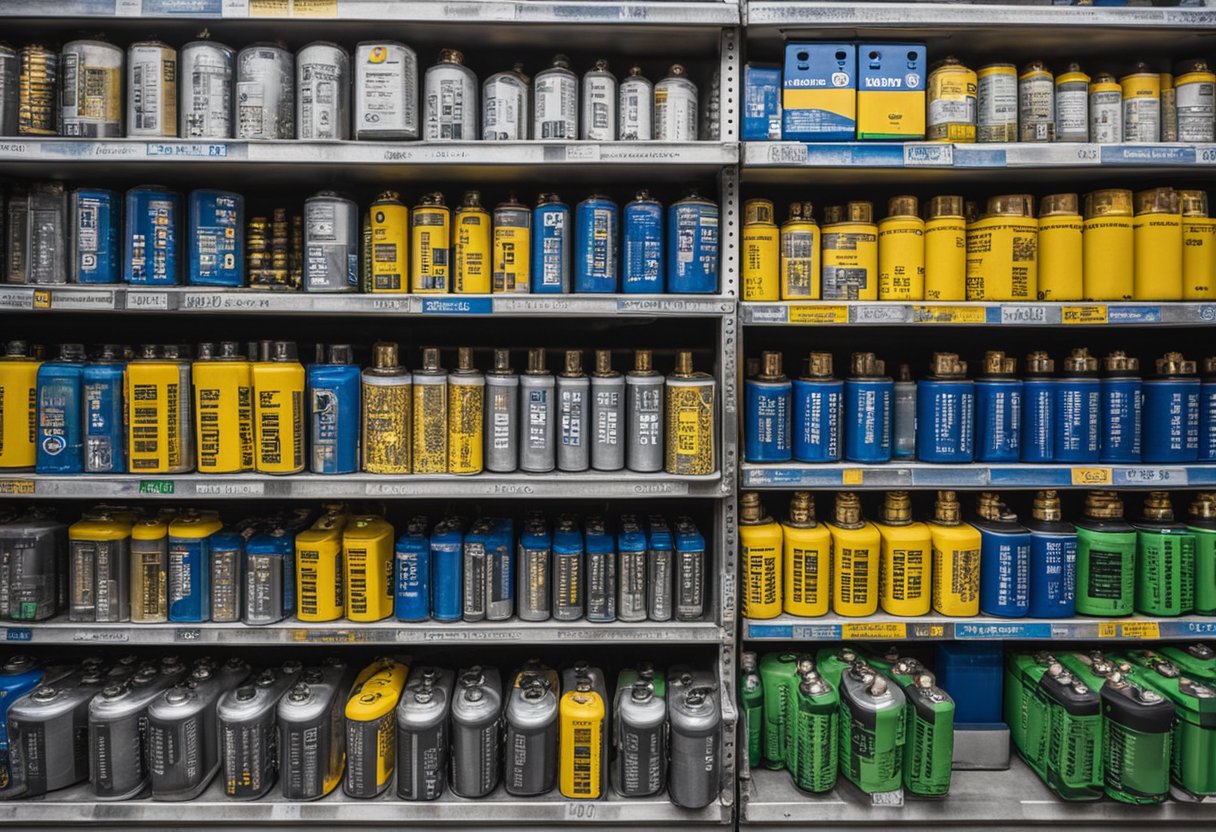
(156, 486)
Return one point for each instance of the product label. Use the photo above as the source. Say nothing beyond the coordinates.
(1083, 314)
(819, 314)
(1091, 476)
(879, 630)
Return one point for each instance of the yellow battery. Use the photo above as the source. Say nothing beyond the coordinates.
(471, 274)
(390, 244)
(512, 254)
(905, 560)
(466, 415)
(430, 242)
(945, 249)
(1141, 105)
(901, 251)
(581, 742)
(808, 559)
(761, 258)
(951, 102)
(956, 559)
(850, 255)
(371, 725)
(320, 577)
(1169, 108)
(18, 407)
(367, 559)
(1002, 250)
(158, 404)
(1107, 265)
(97, 599)
(690, 420)
(430, 416)
(386, 413)
(800, 267)
(150, 570)
(1060, 259)
(223, 408)
(855, 559)
(278, 410)
(1198, 248)
(1157, 232)
(760, 553)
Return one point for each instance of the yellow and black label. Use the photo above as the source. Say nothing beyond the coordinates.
(690, 427)
(580, 745)
(278, 389)
(466, 428)
(223, 405)
(386, 428)
(320, 578)
(155, 403)
(430, 450)
(18, 413)
(367, 556)
(390, 248)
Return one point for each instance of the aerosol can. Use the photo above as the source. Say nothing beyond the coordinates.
(695, 719)
(691, 407)
(807, 559)
(761, 543)
(477, 713)
(312, 736)
(644, 408)
(386, 423)
(856, 546)
(640, 735)
(249, 735)
(531, 716)
(760, 251)
(872, 733)
(423, 733)
(371, 727)
(905, 560)
(1165, 560)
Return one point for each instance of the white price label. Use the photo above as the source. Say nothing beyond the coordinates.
(16, 299)
(883, 314)
(229, 489)
(787, 154)
(583, 153)
(581, 811)
(1023, 314)
(147, 300)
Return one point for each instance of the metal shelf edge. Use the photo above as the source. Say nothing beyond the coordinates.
(899, 474)
(933, 627)
(978, 313)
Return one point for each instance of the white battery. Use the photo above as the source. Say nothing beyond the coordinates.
(450, 100)
(322, 92)
(675, 107)
(504, 106)
(151, 89)
(1195, 89)
(386, 91)
(1105, 110)
(1072, 105)
(555, 98)
(996, 99)
(598, 117)
(636, 106)
(1036, 104)
(90, 92)
(265, 93)
(207, 72)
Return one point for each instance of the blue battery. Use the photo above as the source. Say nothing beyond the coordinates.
(692, 246)
(1004, 561)
(761, 103)
(945, 412)
(568, 582)
(215, 249)
(596, 254)
(150, 236)
(447, 584)
(642, 264)
(189, 580)
(272, 541)
(1207, 412)
(1120, 415)
(1038, 409)
(19, 675)
(550, 246)
(867, 410)
(1171, 412)
(104, 430)
(816, 420)
(766, 413)
(61, 413)
(690, 570)
(599, 547)
(412, 572)
(998, 410)
(500, 570)
(534, 569)
(95, 223)
(1077, 409)
(333, 412)
(1053, 565)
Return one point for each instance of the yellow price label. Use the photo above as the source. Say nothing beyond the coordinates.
(1107, 629)
(16, 486)
(852, 476)
(1140, 629)
(950, 314)
(293, 8)
(1083, 314)
(1091, 476)
(819, 314)
(42, 299)
(878, 629)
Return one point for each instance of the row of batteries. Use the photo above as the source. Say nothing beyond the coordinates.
(115, 565)
(96, 236)
(1078, 416)
(210, 91)
(1135, 727)
(995, 565)
(161, 727)
(160, 412)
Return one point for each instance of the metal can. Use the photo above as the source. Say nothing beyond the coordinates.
(488, 581)
(644, 413)
(533, 567)
(265, 92)
(269, 572)
(102, 393)
(386, 91)
(215, 253)
(1122, 403)
(572, 402)
(1171, 412)
(817, 397)
(99, 562)
(867, 410)
(118, 742)
(450, 100)
(223, 404)
(1169, 108)
(691, 409)
(555, 102)
(477, 708)
(59, 426)
(551, 230)
(466, 420)
(208, 73)
(799, 267)
(90, 95)
(1072, 105)
(33, 575)
(693, 246)
(319, 573)
(322, 92)
(636, 107)
(423, 735)
(312, 736)
(1076, 409)
(945, 412)
(430, 244)
(333, 395)
(447, 570)
(675, 107)
(690, 571)
(37, 91)
(331, 243)
(601, 570)
(430, 415)
(583, 736)
(150, 234)
(19, 674)
(951, 102)
(190, 565)
(531, 712)
(511, 247)
(228, 561)
(538, 449)
(95, 221)
(643, 262)
(151, 90)
(631, 548)
(19, 383)
(368, 565)
(998, 409)
(47, 733)
(766, 407)
(1195, 91)
(160, 431)
(997, 99)
(9, 92)
(598, 121)
(388, 270)
(471, 247)
(387, 393)
(1141, 105)
(660, 570)
(607, 415)
(568, 572)
(640, 736)
(1105, 109)
(596, 240)
(37, 243)
(505, 106)
(371, 728)
(695, 716)
(1036, 104)
(502, 417)
(412, 572)
(249, 733)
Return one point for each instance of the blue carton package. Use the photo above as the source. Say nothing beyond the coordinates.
(761, 103)
(891, 91)
(819, 92)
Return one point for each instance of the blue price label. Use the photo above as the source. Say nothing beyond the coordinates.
(457, 306)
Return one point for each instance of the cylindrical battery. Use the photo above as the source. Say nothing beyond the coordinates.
(533, 570)
(388, 269)
(505, 106)
(1198, 246)
(631, 570)
(387, 410)
(265, 93)
(1157, 245)
(1002, 251)
(596, 245)
(1060, 257)
(850, 255)
(551, 245)
(430, 418)
(1105, 109)
(322, 92)
(1195, 94)
(901, 251)
(511, 249)
(598, 120)
(675, 107)
(607, 415)
(867, 410)
(9, 90)
(151, 90)
(636, 107)
(471, 234)
(449, 111)
(150, 571)
(1122, 403)
(945, 412)
(643, 262)
(1072, 105)
(1036, 104)
(502, 415)
(1171, 412)
(1141, 105)
(1077, 404)
(386, 91)
(997, 103)
(208, 72)
(945, 249)
(600, 570)
(555, 102)
(38, 91)
(644, 415)
(538, 447)
(766, 406)
(1108, 261)
(998, 409)
(816, 411)
(1169, 108)
(38, 250)
(90, 93)
(466, 415)
(1038, 409)
(331, 243)
(430, 243)
(573, 392)
(691, 410)
(567, 577)
(950, 115)
(799, 267)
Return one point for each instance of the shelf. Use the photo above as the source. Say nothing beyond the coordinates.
(976, 475)
(386, 632)
(1018, 313)
(935, 627)
(589, 484)
(992, 800)
(215, 301)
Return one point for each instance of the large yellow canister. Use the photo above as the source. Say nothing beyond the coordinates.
(1002, 250)
(945, 249)
(800, 257)
(1060, 248)
(1107, 240)
(1198, 246)
(850, 255)
(760, 251)
(1157, 232)
(901, 251)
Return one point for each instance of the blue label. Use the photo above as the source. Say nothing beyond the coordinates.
(1207, 422)
(1077, 407)
(103, 419)
(1037, 443)
(453, 306)
(550, 249)
(1146, 154)
(95, 222)
(60, 419)
(766, 435)
(1032, 477)
(447, 586)
(692, 248)
(997, 631)
(945, 419)
(595, 248)
(1004, 573)
(215, 250)
(189, 582)
(998, 416)
(1053, 575)
(1133, 314)
(816, 420)
(150, 237)
(18, 634)
(211, 8)
(643, 262)
(876, 155)
(1121, 417)
(1178, 629)
(867, 420)
(977, 156)
(777, 631)
(1171, 421)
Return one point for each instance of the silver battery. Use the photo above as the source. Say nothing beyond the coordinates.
(504, 106)
(1036, 104)
(631, 570)
(607, 415)
(675, 107)
(37, 242)
(227, 580)
(502, 415)
(90, 91)
(386, 91)
(449, 110)
(530, 765)
(1105, 109)
(695, 718)
(151, 89)
(538, 447)
(322, 92)
(9, 97)
(48, 732)
(476, 725)
(331, 243)
(1072, 106)
(532, 568)
(567, 570)
(644, 415)
(640, 737)
(598, 121)
(312, 731)
(636, 107)
(150, 573)
(689, 571)
(180, 355)
(600, 568)
(422, 733)
(265, 93)
(249, 732)
(555, 102)
(475, 566)
(99, 579)
(660, 568)
(208, 77)
(573, 392)
(1195, 101)
(33, 574)
(266, 583)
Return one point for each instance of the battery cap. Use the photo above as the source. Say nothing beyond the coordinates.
(560, 62)
(1117, 361)
(1157, 201)
(177, 695)
(1010, 205)
(451, 56)
(676, 71)
(997, 363)
(340, 354)
(635, 71)
(573, 364)
(1059, 205)
(818, 366)
(1203, 506)
(1080, 362)
(1047, 506)
(1108, 202)
(945, 206)
(464, 360)
(384, 356)
(848, 511)
(430, 360)
(990, 506)
(603, 365)
(1036, 66)
(897, 509)
(1073, 68)
(802, 510)
(1173, 364)
(472, 199)
(770, 366)
(757, 212)
(946, 509)
(71, 352)
(860, 212)
(833, 214)
(684, 366)
(1040, 363)
(536, 362)
(903, 205)
(865, 365)
(878, 685)
(246, 692)
(805, 665)
(1157, 506)
(946, 365)
(947, 61)
(813, 685)
(113, 691)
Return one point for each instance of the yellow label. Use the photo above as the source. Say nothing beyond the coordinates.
(1060, 258)
(431, 428)
(158, 406)
(16, 486)
(690, 428)
(512, 258)
(855, 565)
(387, 441)
(807, 567)
(1107, 258)
(825, 314)
(223, 406)
(905, 564)
(799, 264)
(901, 259)
(471, 273)
(849, 257)
(1108, 629)
(1083, 314)
(1003, 259)
(430, 241)
(761, 263)
(1198, 258)
(946, 257)
(956, 570)
(278, 391)
(19, 404)
(852, 476)
(42, 299)
(950, 314)
(320, 581)
(760, 559)
(1157, 247)
(390, 248)
(1091, 476)
(884, 629)
(890, 114)
(466, 426)
(367, 557)
(1140, 629)
(293, 8)
(581, 744)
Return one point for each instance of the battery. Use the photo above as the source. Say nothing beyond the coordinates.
(945, 407)
(534, 556)
(598, 121)
(538, 448)
(502, 417)
(690, 571)
(1171, 412)
(505, 105)
(476, 722)
(573, 390)
(632, 550)
(997, 103)
(367, 563)
(607, 421)
(9, 90)
(693, 246)
(1061, 257)
(867, 410)
(388, 270)
(449, 111)
(208, 75)
(951, 105)
(447, 553)
(642, 259)
(1122, 403)
(1002, 250)
(90, 97)
(644, 414)
(150, 235)
(104, 416)
(430, 242)
(998, 409)
(690, 430)
(269, 592)
(675, 107)
(331, 243)
(568, 573)
(472, 266)
(33, 572)
(215, 253)
(596, 240)
(511, 248)
(99, 563)
(322, 92)
(228, 576)
(249, 734)
(767, 400)
(423, 734)
(1072, 105)
(817, 397)
(551, 245)
(430, 416)
(600, 569)
(1141, 105)
(386, 91)
(1195, 91)
(38, 91)
(849, 258)
(37, 242)
(265, 92)
(555, 102)
(636, 107)
(1157, 245)
(1105, 109)
(95, 222)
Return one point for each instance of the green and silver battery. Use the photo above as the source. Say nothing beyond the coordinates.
(751, 692)
(779, 677)
(832, 662)
(871, 730)
(815, 731)
(1136, 741)
(1165, 560)
(1106, 557)
(929, 731)
(1074, 736)
(1197, 661)
(1026, 710)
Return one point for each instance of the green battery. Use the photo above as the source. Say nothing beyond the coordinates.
(779, 677)
(752, 695)
(832, 662)
(929, 731)
(1165, 560)
(1074, 741)
(1197, 661)
(1203, 526)
(1106, 557)
(1136, 741)
(816, 734)
(871, 730)
(1026, 711)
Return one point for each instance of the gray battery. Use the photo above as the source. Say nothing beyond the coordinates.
(600, 557)
(99, 579)
(660, 567)
(226, 579)
(180, 355)
(573, 391)
(537, 453)
(504, 106)
(644, 415)
(502, 415)
(386, 91)
(265, 581)
(690, 571)
(249, 733)
(530, 765)
(208, 73)
(38, 250)
(636, 107)
(422, 733)
(322, 92)
(151, 90)
(150, 574)
(640, 737)
(675, 107)
(567, 568)
(48, 732)
(265, 93)
(532, 568)
(607, 415)
(476, 724)
(449, 110)
(555, 102)
(695, 718)
(598, 120)
(631, 599)
(476, 566)
(33, 571)
(9, 98)
(312, 731)
(90, 91)
(331, 243)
